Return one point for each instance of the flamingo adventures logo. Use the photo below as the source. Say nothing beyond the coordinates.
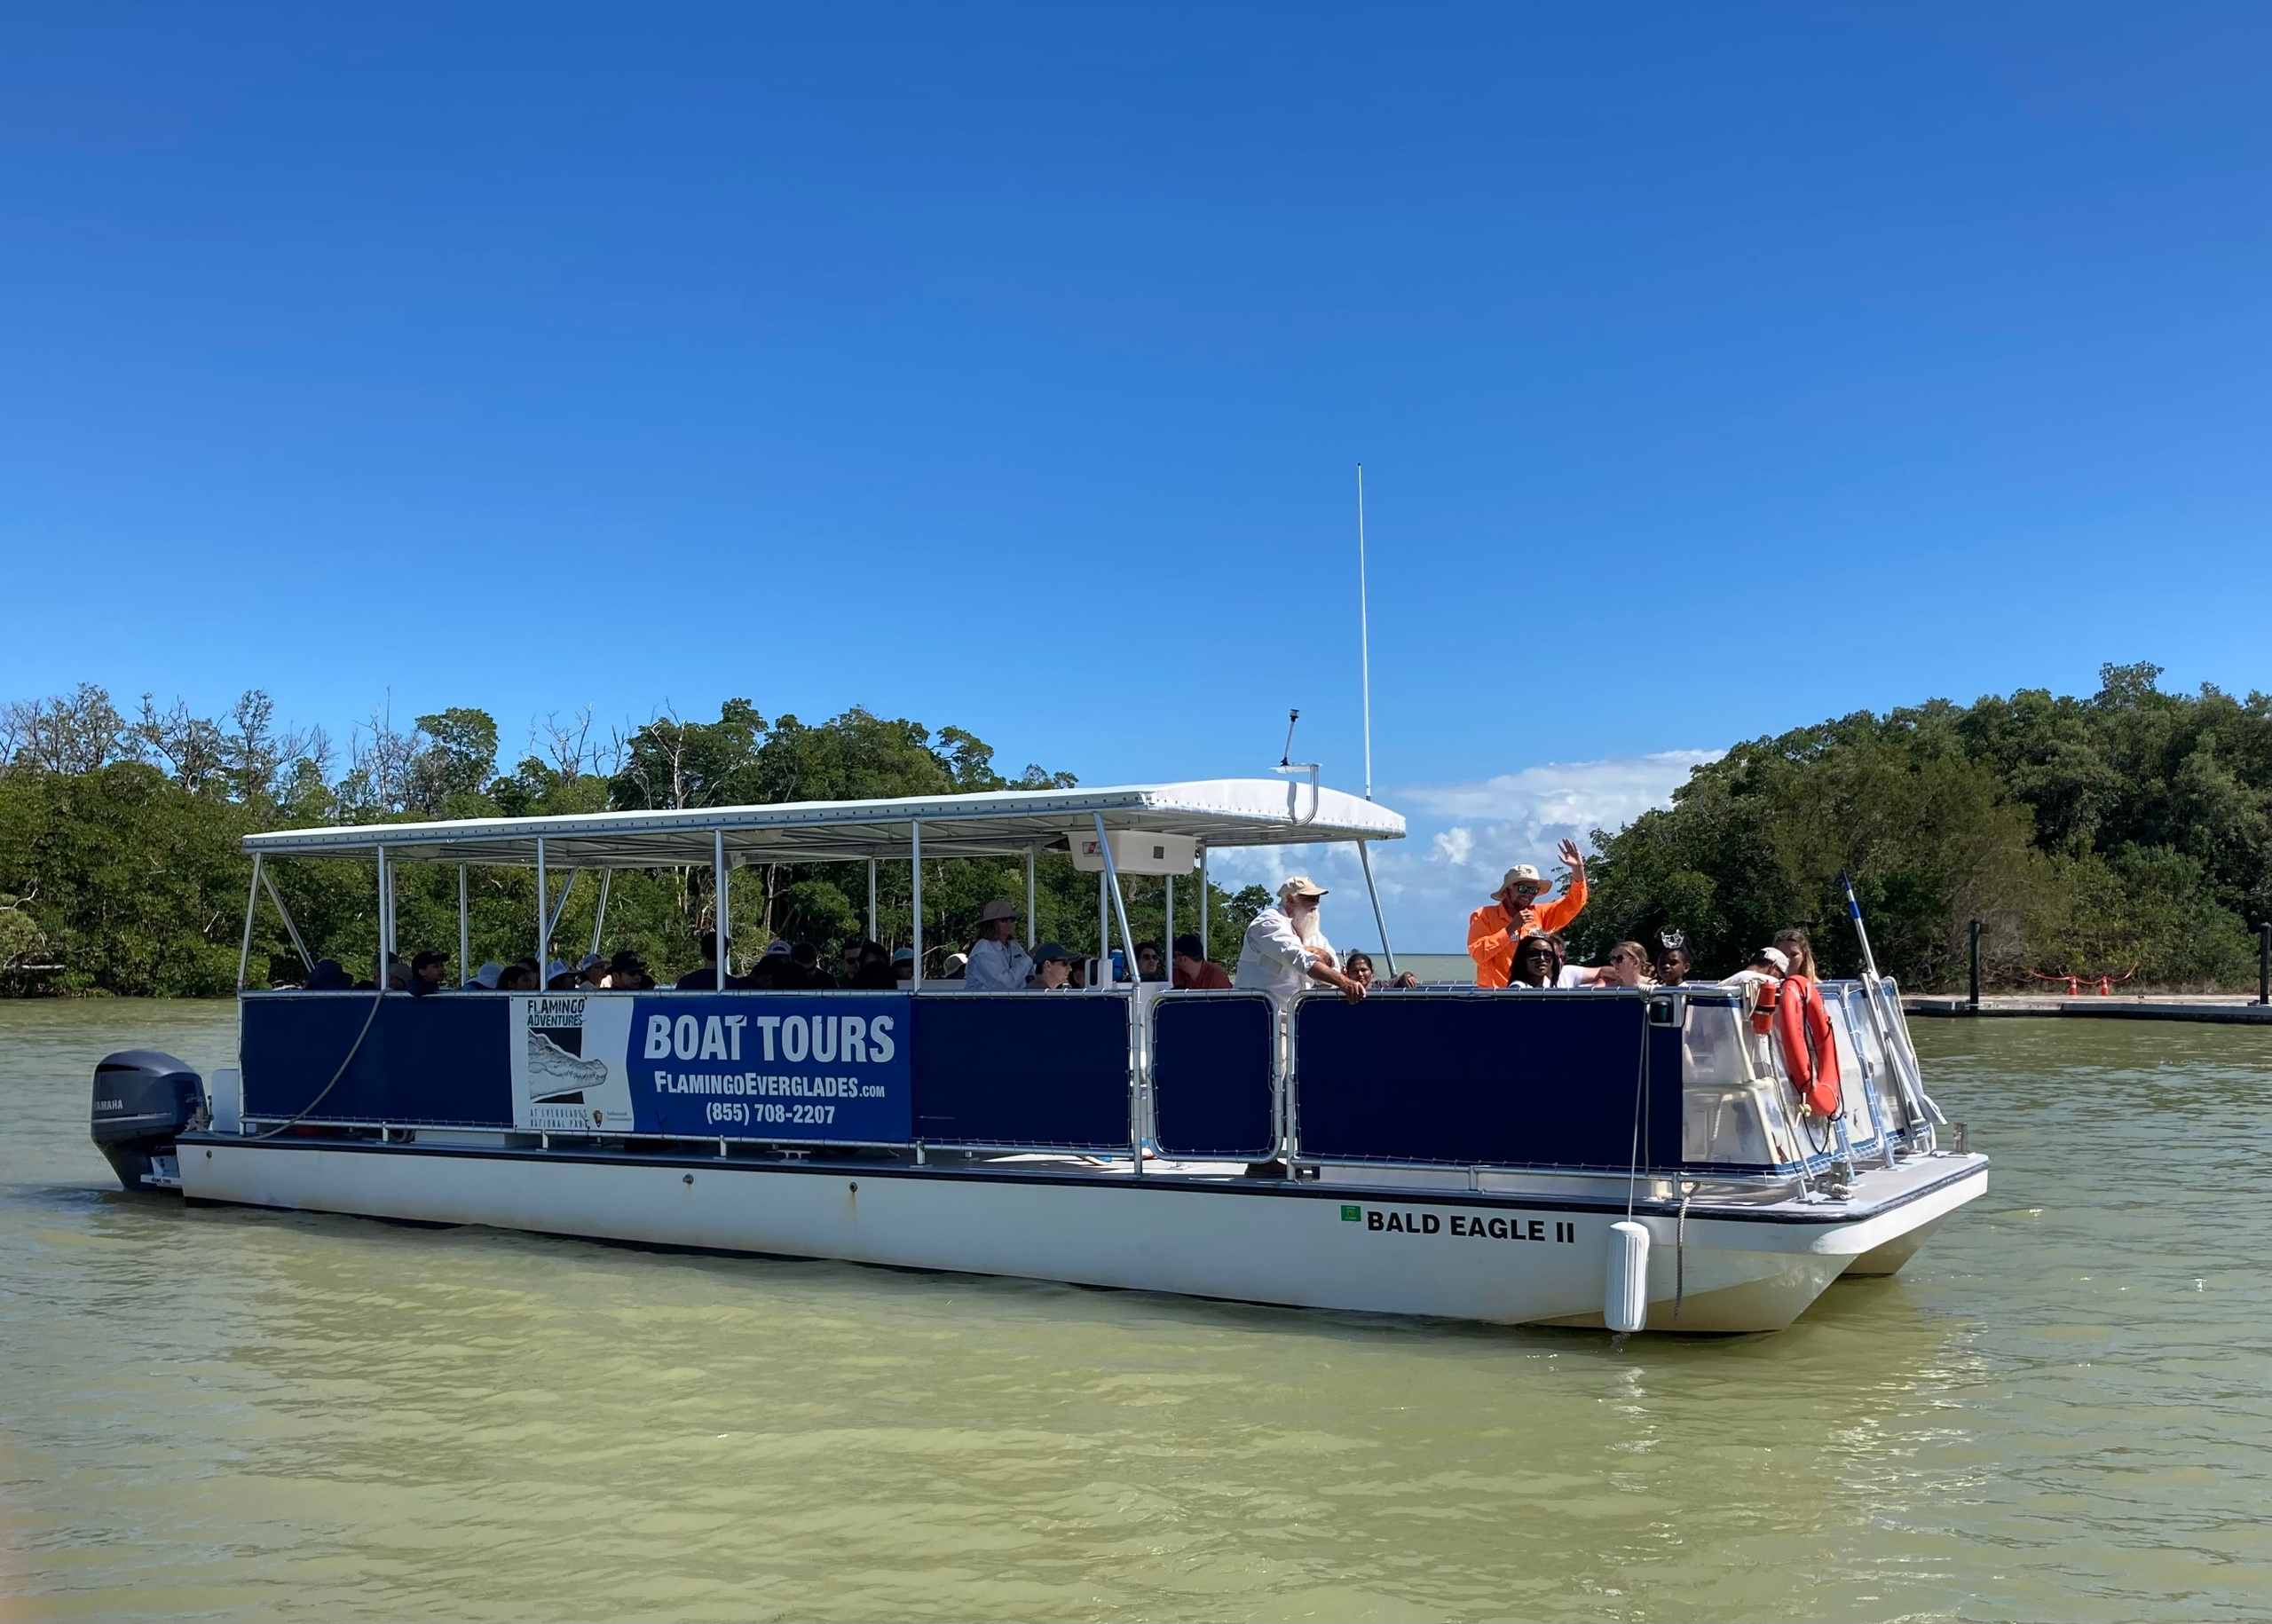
(565, 1076)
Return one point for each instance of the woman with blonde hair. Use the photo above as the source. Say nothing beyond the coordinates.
(1628, 967)
(1791, 942)
(1803, 1028)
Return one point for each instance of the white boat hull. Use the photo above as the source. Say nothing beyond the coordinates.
(1504, 1258)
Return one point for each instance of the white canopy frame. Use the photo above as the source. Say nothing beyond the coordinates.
(1220, 812)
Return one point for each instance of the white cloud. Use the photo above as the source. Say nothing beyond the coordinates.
(1463, 836)
(1565, 794)
(1453, 845)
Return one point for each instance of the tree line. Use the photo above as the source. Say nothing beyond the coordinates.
(120, 871)
(2125, 834)
(2128, 834)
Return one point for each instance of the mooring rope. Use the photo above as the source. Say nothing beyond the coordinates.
(1640, 1086)
(357, 1048)
(1680, 1252)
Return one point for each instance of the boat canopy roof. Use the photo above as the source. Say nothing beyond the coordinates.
(1215, 812)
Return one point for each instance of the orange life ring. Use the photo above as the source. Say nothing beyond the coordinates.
(1810, 1051)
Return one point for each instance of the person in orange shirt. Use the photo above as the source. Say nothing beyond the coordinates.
(1192, 971)
(1493, 930)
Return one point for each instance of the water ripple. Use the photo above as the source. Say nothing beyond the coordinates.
(2056, 1412)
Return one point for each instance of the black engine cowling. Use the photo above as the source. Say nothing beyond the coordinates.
(143, 1100)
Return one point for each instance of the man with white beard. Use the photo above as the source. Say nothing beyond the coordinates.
(1286, 950)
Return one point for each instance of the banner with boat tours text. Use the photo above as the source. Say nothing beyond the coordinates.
(702, 1066)
(781, 1067)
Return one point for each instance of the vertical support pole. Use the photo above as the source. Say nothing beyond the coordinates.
(718, 884)
(1104, 920)
(560, 903)
(599, 914)
(2264, 964)
(1206, 947)
(871, 901)
(465, 932)
(385, 889)
(1119, 902)
(1365, 654)
(915, 846)
(1167, 931)
(1031, 923)
(1380, 922)
(1137, 1093)
(543, 919)
(1973, 1000)
(252, 901)
(307, 959)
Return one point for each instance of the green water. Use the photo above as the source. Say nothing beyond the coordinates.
(2058, 1411)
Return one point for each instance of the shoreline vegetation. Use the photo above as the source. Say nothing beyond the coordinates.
(2128, 834)
(121, 872)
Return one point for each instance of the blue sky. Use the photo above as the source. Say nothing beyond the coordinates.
(1714, 369)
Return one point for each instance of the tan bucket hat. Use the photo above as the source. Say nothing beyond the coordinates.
(1522, 874)
(1000, 907)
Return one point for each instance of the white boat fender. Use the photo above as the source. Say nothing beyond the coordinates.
(1625, 1291)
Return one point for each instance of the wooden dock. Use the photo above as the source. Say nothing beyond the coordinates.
(2223, 1008)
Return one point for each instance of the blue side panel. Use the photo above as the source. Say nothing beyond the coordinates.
(1028, 1068)
(1515, 1079)
(1213, 1058)
(442, 1059)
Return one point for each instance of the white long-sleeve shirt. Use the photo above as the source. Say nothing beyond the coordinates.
(996, 966)
(1273, 958)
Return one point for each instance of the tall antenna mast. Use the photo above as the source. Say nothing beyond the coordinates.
(1364, 633)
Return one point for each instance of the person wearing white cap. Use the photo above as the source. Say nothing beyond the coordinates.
(997, 964)
(1285, 952)
(1514, 913)
(1760, 981)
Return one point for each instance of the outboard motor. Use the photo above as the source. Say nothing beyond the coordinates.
(143, 1099)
